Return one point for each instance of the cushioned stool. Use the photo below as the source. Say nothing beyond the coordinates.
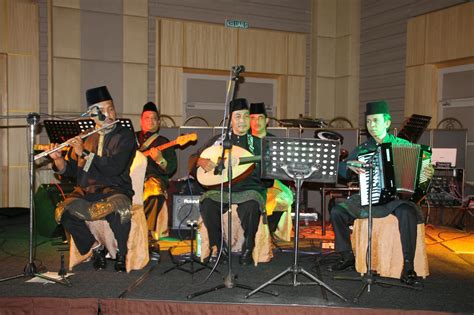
(387, 256)
(262, 251)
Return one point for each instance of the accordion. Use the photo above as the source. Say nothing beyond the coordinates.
(396, 173)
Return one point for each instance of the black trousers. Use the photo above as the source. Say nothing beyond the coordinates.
(407, 225)
(83, 237)
(249, 215)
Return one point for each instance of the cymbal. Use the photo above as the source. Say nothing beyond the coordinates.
(303, 122)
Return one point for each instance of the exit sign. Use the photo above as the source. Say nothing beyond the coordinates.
(236, 24)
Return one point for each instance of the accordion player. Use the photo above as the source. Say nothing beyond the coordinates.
(396, 173)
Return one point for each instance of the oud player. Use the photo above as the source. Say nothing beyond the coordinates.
(249, 193)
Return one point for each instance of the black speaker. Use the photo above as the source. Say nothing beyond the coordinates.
(46, 198)
(185, 208)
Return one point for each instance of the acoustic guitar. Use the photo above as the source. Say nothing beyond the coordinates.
(245, 166)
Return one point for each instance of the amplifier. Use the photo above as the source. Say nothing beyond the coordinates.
(446, 187)
(185, 208)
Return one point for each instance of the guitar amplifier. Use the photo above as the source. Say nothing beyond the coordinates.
(185, 208)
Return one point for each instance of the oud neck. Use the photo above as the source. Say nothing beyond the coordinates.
(249, 159)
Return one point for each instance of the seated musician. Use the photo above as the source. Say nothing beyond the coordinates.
(258, 125)
(161, 166)
(408, 213)
(249, 193)
(101, 163)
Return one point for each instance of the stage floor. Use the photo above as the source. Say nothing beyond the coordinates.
(449, 288)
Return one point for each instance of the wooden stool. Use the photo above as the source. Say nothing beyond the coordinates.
(387, 256)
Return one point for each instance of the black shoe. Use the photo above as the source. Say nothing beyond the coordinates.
(154, 250)
(246, 257)
(347, 261)
(98, 258)
(213, 258)
(411, 278)
(120, 262)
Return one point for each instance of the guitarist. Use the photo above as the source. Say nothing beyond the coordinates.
(249, 193)
(161, 166)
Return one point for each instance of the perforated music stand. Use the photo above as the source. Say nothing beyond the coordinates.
(60, 131)
(299, 160)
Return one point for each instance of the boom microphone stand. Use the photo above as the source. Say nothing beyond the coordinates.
(30, 268)
(371, 277)
(229, 279)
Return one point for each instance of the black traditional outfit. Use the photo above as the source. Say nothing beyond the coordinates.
(104, 187)
(156, 178)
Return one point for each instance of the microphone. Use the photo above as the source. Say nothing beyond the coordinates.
(238, 69)
(90, 110)
(94, 110)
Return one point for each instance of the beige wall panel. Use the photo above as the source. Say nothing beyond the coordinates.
(67, 85)
(18, 146)
(348, 17)
(171, 42)
(421, 91)
(22, 84)
(74, 4)
(415, 54)
(3, 26)
(135, 39)
(3, 133)
(295, 96)
(296, 54)
(263, 51)
(282, 106)
(326, 57)
(66, 26)
(326, 18)
(208, 46)
(450, 34)
(134, 88)
(343, 56)
(19, 187)
(135, 7)
(23, 27)
(325, 98)
(353, 100)
(171, 91)
(341, 103)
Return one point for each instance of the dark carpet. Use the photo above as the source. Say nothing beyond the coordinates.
(449, 288)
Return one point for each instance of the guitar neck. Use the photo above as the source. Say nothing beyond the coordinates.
(161, 147)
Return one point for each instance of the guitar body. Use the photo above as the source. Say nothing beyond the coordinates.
(239, 172)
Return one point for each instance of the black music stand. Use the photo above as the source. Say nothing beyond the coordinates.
(60, 131)
(298, 160)
(371, 277)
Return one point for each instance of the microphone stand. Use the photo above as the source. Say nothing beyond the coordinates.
(371, 277)
(229, 279)
(30, 269)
